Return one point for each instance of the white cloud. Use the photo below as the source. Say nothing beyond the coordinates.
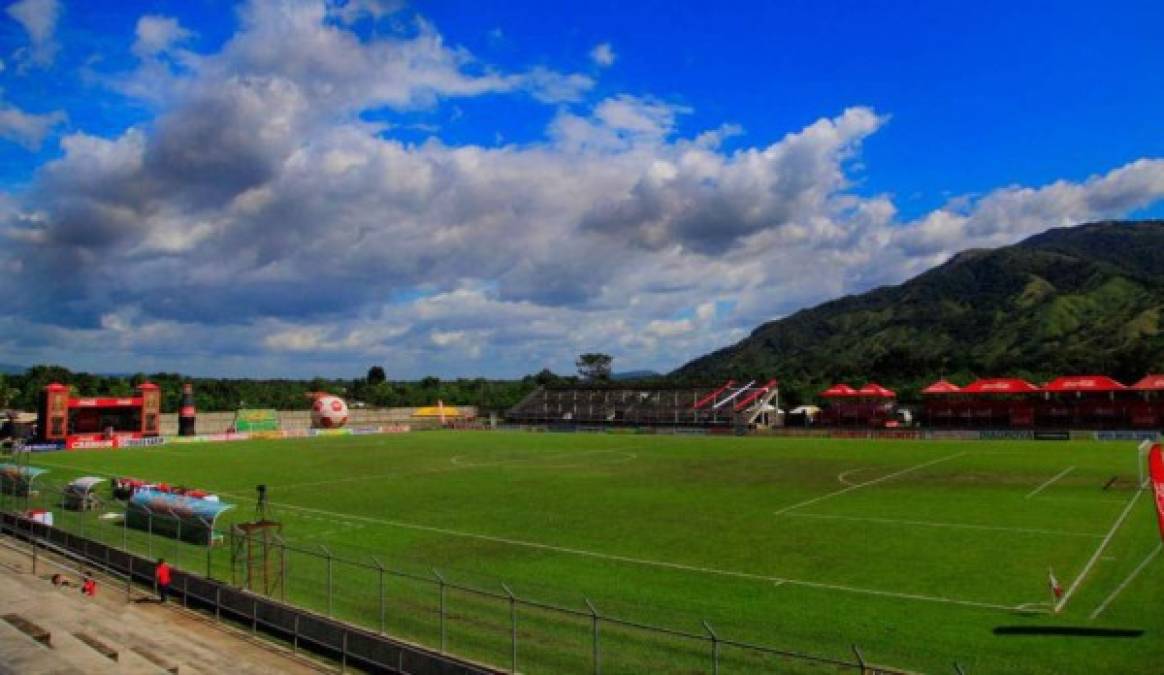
(27, 129)
(603, 55)
(157, 34)
(39, 20)
(257, 224)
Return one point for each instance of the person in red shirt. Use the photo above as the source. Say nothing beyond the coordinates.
(89, 586)
(162, 579)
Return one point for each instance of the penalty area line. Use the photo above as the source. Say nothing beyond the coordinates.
(1098, 552)
(958, 526)
(1119, 589)
(857, 486)
(645, 562)
(1044, 486)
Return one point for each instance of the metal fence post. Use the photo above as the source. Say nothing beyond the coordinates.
(344, 653)
(380, 570)
(714, 648)
(33, 542)
(177, 539)
(327, 552)
(283, 572)
(597, 653)
(442, 586)
(125, 530)
(860, 659)
(150, 534)
(512, 629)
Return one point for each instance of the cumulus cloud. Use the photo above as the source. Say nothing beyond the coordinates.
(603, 55)
(157, 34)
(28, 129)
(258, 225)
(39, 20)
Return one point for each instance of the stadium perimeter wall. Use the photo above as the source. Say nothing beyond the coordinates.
(218, 422)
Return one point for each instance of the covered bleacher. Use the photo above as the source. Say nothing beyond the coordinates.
(1067, 402)
(870, 406)
(727, 404)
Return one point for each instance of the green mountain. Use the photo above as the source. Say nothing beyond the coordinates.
(1085, 299)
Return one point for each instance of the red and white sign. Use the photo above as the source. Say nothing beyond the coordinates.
(1156, 471)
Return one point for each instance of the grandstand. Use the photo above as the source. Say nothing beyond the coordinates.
(726, 405)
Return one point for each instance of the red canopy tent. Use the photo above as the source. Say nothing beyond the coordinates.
(1092, 402)
(1144, 413)
(991, 413)
(940, 408)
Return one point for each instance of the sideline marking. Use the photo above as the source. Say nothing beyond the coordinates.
(1098, 551)
(1039, 489)
(656, 563)
(1139, 568)
(965, 526)
(857, 486)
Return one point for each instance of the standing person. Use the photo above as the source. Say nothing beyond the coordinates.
(89, 586)
(162, 579)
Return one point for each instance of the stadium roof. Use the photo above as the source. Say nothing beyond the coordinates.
(876, 390)
(942, 386)
(1093, 383)
(839, 390)
(1000, 385)
(1150, 383)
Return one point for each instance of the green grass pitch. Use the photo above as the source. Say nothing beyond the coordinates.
(917, 552)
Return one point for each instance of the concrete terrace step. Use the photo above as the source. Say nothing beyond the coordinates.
(146, 636)
(21, 654)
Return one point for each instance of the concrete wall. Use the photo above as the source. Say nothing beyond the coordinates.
(218, 422)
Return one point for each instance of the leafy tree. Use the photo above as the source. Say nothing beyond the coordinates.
(376, 375)
(595, 367)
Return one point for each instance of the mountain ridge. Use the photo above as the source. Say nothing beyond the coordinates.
(1078, 299)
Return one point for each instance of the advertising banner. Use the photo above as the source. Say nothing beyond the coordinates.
(1156, 471)
(1006, 435)
(1052, 436)
(1126, 435)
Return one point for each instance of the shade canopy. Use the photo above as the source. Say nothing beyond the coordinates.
(1083, 383)
(942, 387)
(1000, 385)
(1150, 383)
(877, 391)
(840, 390)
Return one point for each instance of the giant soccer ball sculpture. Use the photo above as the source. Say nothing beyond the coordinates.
(329, 412)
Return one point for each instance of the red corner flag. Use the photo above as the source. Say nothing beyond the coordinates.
(1056, 588)
(1156, 471)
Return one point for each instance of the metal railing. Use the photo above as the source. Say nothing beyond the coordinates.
(488, 625)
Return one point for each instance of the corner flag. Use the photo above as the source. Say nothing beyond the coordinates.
(1056, 587)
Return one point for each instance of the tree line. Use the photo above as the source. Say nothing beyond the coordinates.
(20, 391)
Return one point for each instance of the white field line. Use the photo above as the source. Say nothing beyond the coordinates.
(1098, 551)
(867, 483)
(1139, 568)
(655, 563)
(961, 526)
(843, 476)
(1044, 486)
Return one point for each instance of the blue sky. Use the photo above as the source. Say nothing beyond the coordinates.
(300, 187)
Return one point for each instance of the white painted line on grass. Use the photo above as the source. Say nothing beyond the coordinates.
(653, 563)
(1098, 552)
(842, 477)
(1044, 486)
(1119, 589)
(867, 483)
(963, 526)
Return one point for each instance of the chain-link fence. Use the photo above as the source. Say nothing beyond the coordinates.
(489, 625)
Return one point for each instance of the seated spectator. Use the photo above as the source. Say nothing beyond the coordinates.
(89, 587)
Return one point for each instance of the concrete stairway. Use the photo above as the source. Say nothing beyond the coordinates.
(145, 637)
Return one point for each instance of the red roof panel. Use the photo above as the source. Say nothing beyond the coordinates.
(942, 387)
(1000, 385)
(839, 391)
(1083, 383)
(874, 389)
(1150, 383)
